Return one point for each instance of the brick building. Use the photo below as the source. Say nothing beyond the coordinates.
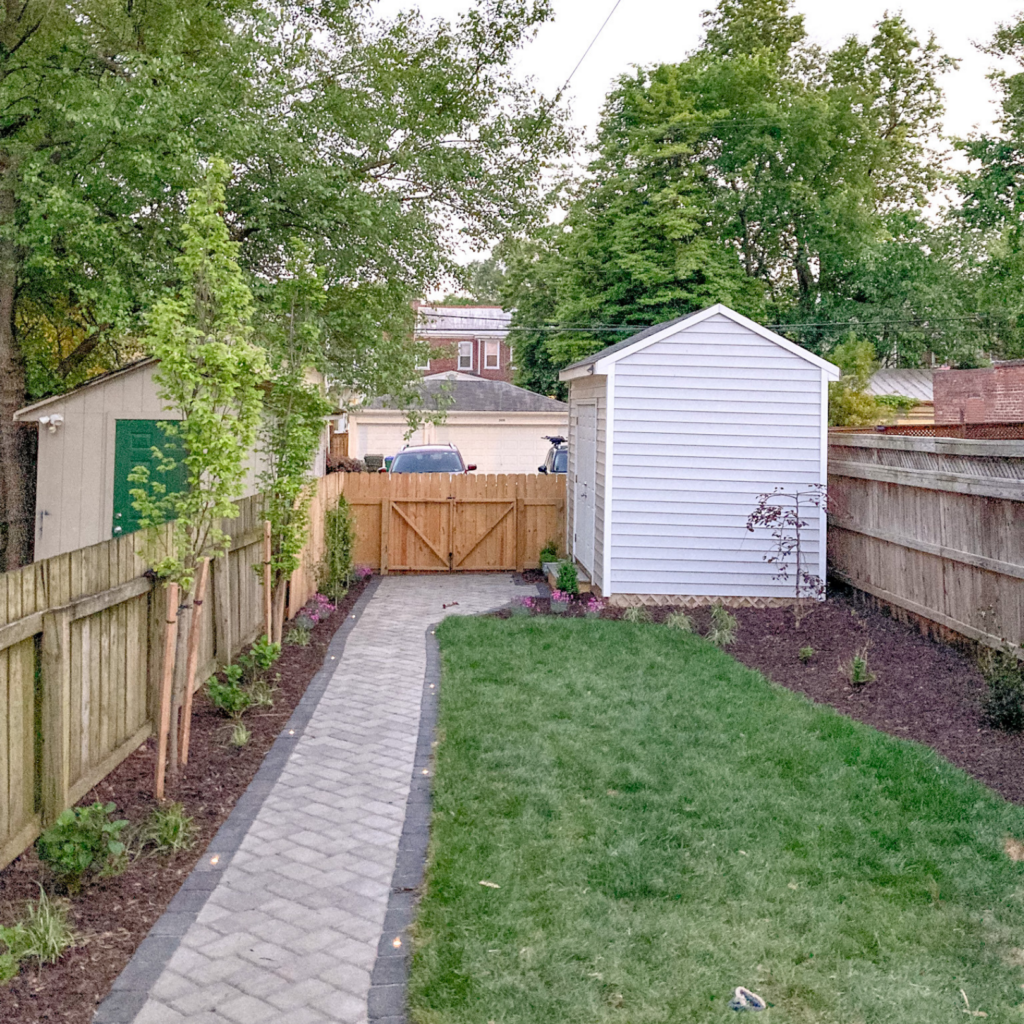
(472, 339)
(992, 395)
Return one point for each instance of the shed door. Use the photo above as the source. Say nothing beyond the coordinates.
(134, 441)
(583, 485)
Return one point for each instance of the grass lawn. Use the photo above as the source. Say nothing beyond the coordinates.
(664, 825)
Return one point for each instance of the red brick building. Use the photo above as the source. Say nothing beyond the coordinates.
(471, 339)
(992, 395)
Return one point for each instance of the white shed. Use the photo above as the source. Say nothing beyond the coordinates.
(673, 433)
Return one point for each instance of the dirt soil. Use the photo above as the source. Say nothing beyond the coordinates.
(923, 690)
(113, 915)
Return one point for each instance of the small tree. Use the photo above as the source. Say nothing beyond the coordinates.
(849, 404)
(211, 374)
(294, 413)
(783, 513)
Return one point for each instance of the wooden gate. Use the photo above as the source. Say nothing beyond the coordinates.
(420, 522)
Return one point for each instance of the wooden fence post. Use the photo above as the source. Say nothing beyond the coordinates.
(56, 710)
(520, 533)
(268, 610)
(195, 633)
(166, 685)
(222, 610)
(385, 524)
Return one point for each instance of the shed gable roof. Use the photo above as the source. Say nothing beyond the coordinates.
(599, 362)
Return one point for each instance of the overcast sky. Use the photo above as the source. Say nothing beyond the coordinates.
(661, 31)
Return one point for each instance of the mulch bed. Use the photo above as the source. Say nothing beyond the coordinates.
(114, 914)
(924, 689)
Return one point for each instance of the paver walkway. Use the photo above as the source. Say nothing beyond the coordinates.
(290, 922)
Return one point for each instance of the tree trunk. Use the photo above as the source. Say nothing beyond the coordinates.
(280, 591)
(180, 673)
(16, 441)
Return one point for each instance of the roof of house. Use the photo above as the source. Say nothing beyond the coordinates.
(652, 334)
(101, 378)
(462, 319)
(478, 396)
(912, 383)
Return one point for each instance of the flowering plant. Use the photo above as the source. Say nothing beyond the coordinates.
(523, 606)
(592, 607)
(559, 601)
(316, 608)
(363, 573)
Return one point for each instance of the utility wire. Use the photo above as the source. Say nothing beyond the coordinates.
(978, 318)
(587, 50)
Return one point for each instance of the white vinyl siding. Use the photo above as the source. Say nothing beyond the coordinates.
(589, 389)
(705, 421)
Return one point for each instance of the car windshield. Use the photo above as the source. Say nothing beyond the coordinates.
(427, 462)
(560, 463)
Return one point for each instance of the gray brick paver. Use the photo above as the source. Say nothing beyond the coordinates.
(289, 934)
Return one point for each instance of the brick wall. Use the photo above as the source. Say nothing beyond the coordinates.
(449, 361)
(992, 395)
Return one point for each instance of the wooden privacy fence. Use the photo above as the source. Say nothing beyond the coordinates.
(420, 522)
(934, 526)
(80, 649)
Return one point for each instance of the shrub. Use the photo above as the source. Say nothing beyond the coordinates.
(637, 613)
(568, 579)
(42, 935)
(300, 633)
(261, 693)
(1003, 705)
(334, 573)
(229, 698)
(723, 626)
(858, 671)
(263, 654)
(83, 841)
(548, 553)
(680, 621)
(592, 607)
(240, 735)
(168, 830)
(805, 654)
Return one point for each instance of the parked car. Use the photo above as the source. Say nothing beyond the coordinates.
(557, 459)
(429, 458)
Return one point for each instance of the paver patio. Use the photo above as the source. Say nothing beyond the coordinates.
(282, 919)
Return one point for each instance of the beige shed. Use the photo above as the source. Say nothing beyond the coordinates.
(90, 439)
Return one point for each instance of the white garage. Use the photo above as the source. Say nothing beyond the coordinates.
(498, 427)
(673, 434)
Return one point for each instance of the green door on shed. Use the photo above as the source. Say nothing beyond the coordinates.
(134, 441)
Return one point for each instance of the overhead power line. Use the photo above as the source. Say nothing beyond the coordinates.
(565, 85)
(924, 322)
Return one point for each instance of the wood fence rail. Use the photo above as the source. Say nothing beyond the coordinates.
(933, 526)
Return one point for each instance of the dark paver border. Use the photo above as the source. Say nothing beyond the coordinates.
(132, 986)
(386, 1002)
